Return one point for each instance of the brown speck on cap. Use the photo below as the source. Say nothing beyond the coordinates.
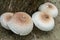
(8, 16)
(50, 5)
(45, 17)
(21, 18)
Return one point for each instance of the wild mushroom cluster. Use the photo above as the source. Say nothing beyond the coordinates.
(21, 23)
(44, 17)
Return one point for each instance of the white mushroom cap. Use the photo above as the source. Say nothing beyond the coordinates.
(5, 18)
(43, 21)
(21, 23)
(50, 8)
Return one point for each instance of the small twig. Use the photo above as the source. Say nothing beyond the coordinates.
(10, 5)
(35, 38)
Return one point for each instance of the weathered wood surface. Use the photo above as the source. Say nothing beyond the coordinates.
(29, 6)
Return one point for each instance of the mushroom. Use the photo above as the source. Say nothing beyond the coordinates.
(5, 17)
(21, 23)
(43, 21)
(50, 8)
